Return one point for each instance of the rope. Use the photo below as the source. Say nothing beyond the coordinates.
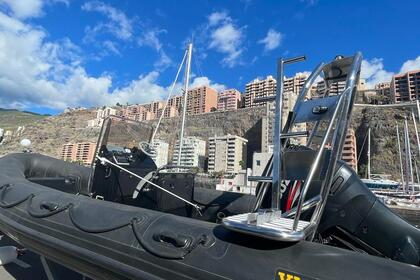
(360, 153)
(169, 97)
(104, 160)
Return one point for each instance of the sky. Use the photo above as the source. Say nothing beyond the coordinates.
(60, 53)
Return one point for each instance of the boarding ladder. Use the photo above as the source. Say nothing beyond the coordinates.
(328, 117)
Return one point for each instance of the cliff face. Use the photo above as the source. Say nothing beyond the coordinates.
(244, 122)
(48, 134)
(384, 147)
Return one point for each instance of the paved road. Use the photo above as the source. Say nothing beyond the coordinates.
(29, 267)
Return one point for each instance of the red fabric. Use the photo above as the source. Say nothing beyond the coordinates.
(292, 193)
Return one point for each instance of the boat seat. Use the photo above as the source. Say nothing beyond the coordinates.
(297, 163)
(181, 184)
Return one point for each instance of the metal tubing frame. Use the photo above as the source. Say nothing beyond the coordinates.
(314, 166)
(348, 96)
(276, 171)
(339, 140)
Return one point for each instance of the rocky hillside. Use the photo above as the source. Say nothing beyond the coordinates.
(384, 147)
(244, 122)
(49, 133)
(11, 118)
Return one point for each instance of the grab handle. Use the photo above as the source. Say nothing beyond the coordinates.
(50, 206)
(174, 239)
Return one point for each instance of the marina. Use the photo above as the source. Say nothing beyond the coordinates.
(212, 141)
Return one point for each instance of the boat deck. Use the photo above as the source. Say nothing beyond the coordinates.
(29, 266)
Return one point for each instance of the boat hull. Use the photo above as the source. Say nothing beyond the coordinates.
(106, 240)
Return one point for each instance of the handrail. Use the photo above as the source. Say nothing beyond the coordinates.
(353, 76)
(316, 162)
(340, 120)
(338, 140)
(276, 171)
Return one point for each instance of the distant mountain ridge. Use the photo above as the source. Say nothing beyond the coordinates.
(29, 112)
(11, 119)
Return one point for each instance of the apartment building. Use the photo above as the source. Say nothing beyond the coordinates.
(405, 87)
(160, 152)
(229, 100)
(267, 122)
(336, 88)
(349, 153)
(292, 88)
(79, 152)
(295, 84)
(383, 89)
(258, 89)
(105, 112)
(262, 88)
(170, 112)
(101, 114)
(227, 154)
(201, 100)
(193, 153)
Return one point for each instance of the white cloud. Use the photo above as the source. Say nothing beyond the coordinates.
(118, 23)
(23, 8)
(205, 81)
(163, 62)
(111, 46)
(411, 65)
(217, 17)
(37, 72)
(151, 39)
(373, 71)
(272, 40)
(225, 37)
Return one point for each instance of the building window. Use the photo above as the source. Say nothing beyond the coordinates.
(258, 162)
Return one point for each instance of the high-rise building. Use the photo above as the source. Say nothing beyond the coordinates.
(258, 89)
(295, 84)
(229, 100)
(170, 112)
(193, 153)
(201, 100)
(227, 154)
(292, 88)
(176, 102)
(160, 152)
(405, 87)
(349, 153)
(79, 152)
(335, 88)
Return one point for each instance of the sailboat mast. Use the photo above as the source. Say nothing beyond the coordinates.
(417, 133)
(399, 152)
(368, 154)
(408, 165)
(184, 106)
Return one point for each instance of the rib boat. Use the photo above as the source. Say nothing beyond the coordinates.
(124, 218)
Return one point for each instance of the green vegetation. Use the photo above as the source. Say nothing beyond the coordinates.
(10, 119)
